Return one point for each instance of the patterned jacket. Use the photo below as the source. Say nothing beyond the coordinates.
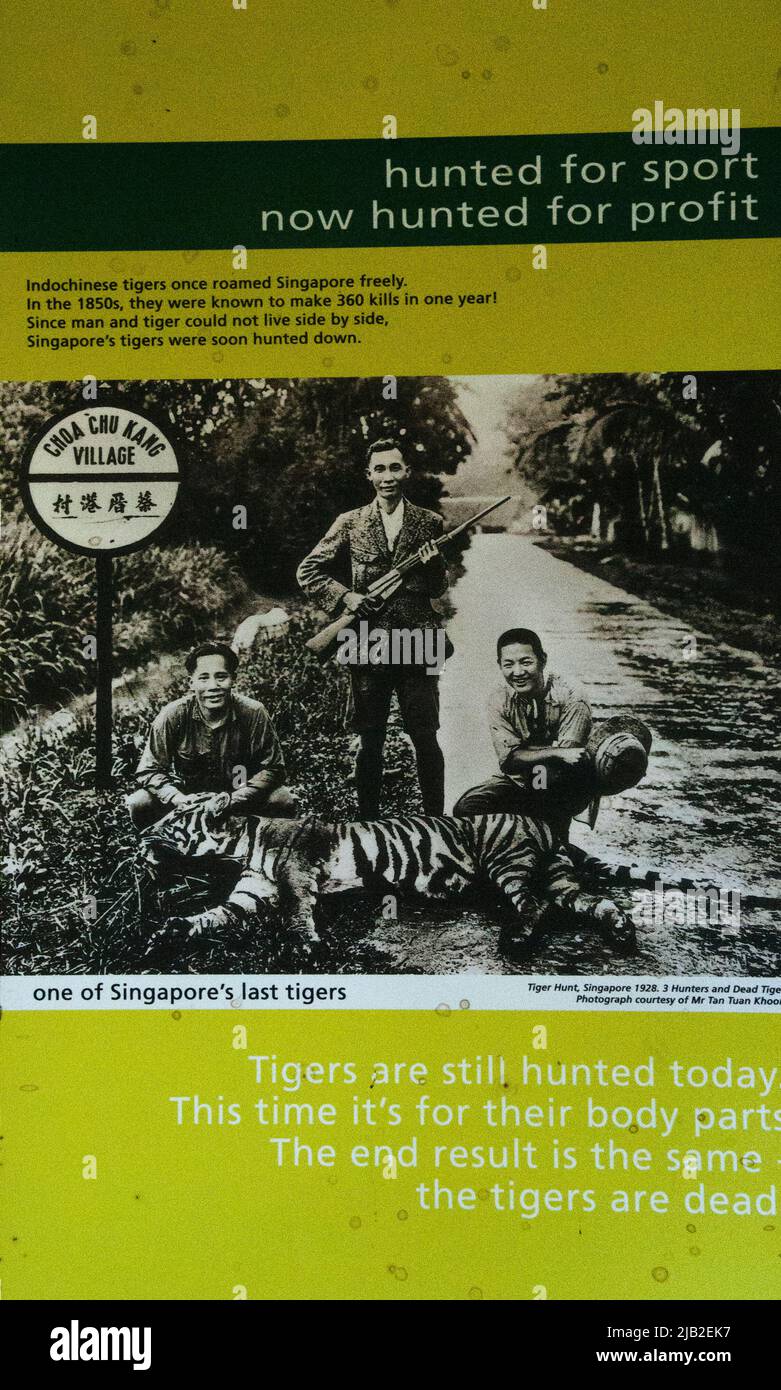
(356, 549)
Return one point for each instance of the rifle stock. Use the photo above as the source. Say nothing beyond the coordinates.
(323, 641)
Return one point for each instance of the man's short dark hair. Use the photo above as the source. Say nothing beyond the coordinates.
(522, 635)
(212, 649)
(382, 446)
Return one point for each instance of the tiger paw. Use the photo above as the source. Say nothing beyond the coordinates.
(307, 946)
(305, 941)
(521, 935)
(214, 920)
(305, 932)
(617, 928)
(169, 936)
(303, 956)
(517, 938)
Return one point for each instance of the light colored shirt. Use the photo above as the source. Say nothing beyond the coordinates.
(392, 522)
(560, 716)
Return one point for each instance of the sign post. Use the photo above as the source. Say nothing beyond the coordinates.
(104, 582)
(101, 480)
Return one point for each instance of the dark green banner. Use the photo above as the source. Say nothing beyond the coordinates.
(317, 193)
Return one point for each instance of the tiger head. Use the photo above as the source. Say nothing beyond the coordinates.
(189, 832)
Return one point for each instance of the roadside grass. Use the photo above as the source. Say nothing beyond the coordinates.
(702, 595)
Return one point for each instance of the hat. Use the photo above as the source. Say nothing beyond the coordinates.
(619, 750)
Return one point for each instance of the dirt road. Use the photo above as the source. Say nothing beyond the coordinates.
(707, 809)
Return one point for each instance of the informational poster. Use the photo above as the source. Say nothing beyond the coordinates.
(390, 426)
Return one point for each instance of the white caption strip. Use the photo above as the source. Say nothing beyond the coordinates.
(441, 993)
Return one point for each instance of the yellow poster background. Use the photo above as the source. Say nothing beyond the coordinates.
(195, 1212)
(177, 70)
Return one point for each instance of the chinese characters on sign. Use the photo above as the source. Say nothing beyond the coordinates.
(118, 502)
(103, 478)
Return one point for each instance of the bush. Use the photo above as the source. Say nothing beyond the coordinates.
(47, 603)
(163, 599)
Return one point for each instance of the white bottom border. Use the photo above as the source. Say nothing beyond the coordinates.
(440, 993)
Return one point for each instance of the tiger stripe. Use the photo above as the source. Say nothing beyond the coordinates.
(434, 854)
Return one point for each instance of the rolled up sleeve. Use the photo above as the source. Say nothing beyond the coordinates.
(154, 772)
(574, 724)
(503, 736)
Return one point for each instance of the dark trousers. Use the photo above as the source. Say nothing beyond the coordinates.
(555, 805)
(418, 697)
(369, 765)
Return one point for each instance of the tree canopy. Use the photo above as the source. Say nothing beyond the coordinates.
(643, 445)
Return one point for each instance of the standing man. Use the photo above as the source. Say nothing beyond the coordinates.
(361, 546)
(539, 727)
(212, 740)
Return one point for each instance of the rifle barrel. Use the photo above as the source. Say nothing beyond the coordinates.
(477, 517)
(323, 641)
(412, 560)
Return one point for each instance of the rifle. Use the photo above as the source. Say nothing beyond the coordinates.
(385, 587)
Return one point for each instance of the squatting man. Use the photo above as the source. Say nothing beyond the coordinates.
(211, 740)
(552, 763)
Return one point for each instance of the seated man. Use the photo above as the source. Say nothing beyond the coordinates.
(539, 727)
(211, 740)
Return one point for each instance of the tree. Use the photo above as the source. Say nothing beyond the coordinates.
(297, 457)
(641, 446)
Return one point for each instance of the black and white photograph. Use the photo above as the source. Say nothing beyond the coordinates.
(413, 676)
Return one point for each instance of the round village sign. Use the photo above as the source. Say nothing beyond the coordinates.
(101, 480)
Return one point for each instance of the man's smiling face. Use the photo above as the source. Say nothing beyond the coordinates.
(211, 682)
(522, 668)
(387, 472)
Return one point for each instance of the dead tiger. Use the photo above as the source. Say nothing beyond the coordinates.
(291, 862)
